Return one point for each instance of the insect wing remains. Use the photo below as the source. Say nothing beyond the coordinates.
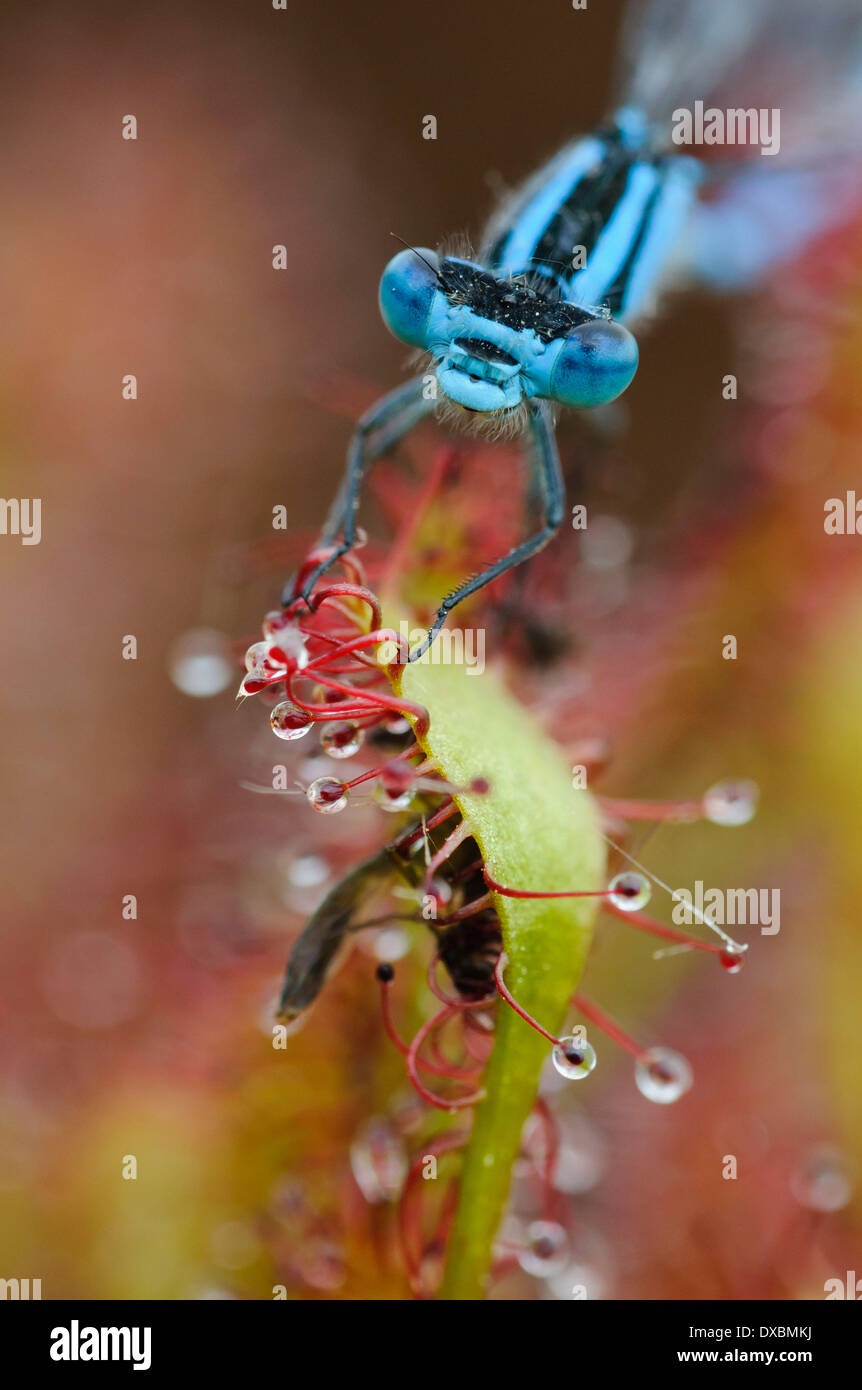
(321, 948)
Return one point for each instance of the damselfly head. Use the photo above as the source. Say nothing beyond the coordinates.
(496, 342)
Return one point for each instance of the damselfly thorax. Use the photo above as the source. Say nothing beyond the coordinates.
(531, 318)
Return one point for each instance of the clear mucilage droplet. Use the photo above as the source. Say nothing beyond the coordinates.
(629, 892)
(288, 721)
(731, 803)
(289, 648)
(546, 1251)
(327, 795)
(308, 871)
(662, 1075)
(825, 1180)
(258, 658)
(274, 622)
(396, 777)
(378, 1159)
(440, 894)
(283, 633)
(341, 739)
(732, 961)
(392, 943)
(394, 790)
(255, 680)
(574, 1058)
(200, 663)
(395, 724)
(387, 802)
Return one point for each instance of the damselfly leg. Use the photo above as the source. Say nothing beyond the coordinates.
(548, 478)
(378, 430)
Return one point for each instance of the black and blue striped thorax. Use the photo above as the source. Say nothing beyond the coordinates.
(584, 243)
(597, 225)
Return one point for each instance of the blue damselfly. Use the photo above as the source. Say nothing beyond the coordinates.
(541, 316)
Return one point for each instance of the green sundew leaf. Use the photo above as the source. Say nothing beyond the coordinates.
(535, 831)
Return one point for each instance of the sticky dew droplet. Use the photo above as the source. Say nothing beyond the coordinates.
(259, 658)
(731, 803)
(629, 892)
(387, 802)
(341, 739)
(662, 1075)
(824, 1181)
(574, 1058)
(200, 663)
(327, 795)
(289, 722)
(546, 1251)
(732, 961)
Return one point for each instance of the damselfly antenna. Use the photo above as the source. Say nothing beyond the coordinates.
(408, 247)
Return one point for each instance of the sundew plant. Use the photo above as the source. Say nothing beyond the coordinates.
(502, 853)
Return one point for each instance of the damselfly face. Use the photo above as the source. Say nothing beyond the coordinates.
(497, 342)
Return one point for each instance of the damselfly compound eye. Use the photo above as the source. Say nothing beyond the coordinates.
(327, 796)
(289, 722)
(547, 1249)
(629, 892)
(341, 740)
(573, 1058)
(731, 803)
(662, 1075)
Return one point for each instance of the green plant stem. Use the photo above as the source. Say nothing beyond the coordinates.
(535, 831)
